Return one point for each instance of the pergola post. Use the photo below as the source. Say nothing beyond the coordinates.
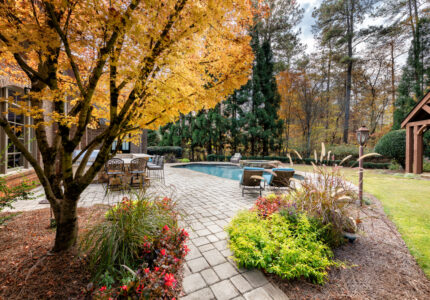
(418, 150)
(409, 157)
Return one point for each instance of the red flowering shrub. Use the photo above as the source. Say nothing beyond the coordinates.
(156, 276)
(265, 206)
(158, 260)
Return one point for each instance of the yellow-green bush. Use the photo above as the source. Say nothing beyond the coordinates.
(288, 247)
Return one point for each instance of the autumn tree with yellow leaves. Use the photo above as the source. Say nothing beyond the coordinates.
(135, 64)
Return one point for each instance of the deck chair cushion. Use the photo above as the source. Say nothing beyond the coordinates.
(278, 183)
(248, 169)
(253, 169)
(268, 178)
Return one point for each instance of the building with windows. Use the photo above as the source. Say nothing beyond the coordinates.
(13, 165)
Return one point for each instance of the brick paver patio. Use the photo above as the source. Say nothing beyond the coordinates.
(207, 204)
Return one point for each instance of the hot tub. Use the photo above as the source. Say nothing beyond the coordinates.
(266, 164)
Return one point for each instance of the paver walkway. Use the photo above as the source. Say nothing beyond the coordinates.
(207, 204)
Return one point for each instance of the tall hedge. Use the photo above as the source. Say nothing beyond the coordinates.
(393, 145)
(163, 150)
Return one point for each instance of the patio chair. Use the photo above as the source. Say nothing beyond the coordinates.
(156, 166)
(235, 158)
(251, 179)
(137, 171)
(281, 178)
(115, 172)
(153, 161)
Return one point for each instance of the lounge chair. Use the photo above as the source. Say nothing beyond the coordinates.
(281, 178)
(235, 158)
(251, 179)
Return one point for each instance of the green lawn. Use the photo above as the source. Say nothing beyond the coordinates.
(407, 203)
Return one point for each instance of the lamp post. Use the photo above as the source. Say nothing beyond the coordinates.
(362, 137)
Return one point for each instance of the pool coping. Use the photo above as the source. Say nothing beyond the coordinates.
(175, 165)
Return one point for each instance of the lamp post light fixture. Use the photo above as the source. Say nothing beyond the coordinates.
(362, 137)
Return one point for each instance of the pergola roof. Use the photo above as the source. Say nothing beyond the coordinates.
(421, 112)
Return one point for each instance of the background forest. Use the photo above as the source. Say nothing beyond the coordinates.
(360, 74)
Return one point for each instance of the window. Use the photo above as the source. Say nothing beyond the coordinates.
(124, 148)
(15, 158)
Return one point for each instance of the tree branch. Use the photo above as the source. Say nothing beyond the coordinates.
(66, 44)
(149, 61)
(43, 179)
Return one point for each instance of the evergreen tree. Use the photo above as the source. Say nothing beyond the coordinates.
(153, 138)
(416, 74)
(234, 115)
(262, 122)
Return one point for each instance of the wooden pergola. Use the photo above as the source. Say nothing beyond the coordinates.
(416, 123)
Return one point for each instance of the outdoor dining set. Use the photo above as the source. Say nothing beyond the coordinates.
(133, 173)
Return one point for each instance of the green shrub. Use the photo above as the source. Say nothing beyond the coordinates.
(170, 158)
(307, 161)
(163, 150)
(393, 145)
(341, 151)
(290, 248)
(184, 160)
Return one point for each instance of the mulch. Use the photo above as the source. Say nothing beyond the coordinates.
(380, 266)
(29, 271)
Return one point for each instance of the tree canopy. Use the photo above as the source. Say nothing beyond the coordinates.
(127, 64)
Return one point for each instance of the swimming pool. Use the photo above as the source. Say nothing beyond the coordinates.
(224, 171)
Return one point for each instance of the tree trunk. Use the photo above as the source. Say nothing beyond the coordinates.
(265, 147)
(67, 225)
(393, 79)
(348, 86)
(327, 116)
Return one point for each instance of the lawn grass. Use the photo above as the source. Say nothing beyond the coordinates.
(406, 201)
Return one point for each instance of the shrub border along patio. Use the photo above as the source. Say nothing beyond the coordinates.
(307, 161)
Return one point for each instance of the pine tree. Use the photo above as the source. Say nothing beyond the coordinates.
(233, 113)
(262, 121)
(416, 74)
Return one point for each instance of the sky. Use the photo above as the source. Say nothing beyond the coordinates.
(306, 24)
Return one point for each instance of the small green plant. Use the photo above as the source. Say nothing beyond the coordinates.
(9, 194)
(426, 166)
(395, 166)
(288, 247)
(184, 160)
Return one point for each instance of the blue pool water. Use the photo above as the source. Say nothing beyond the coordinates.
(224, 171)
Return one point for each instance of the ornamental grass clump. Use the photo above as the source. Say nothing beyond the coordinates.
(137, 250)
(327, 197)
